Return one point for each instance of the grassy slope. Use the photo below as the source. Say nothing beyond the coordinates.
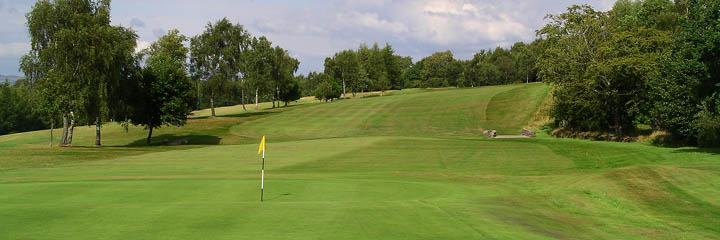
(418, 171)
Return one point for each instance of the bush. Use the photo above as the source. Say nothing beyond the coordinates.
(708, 127)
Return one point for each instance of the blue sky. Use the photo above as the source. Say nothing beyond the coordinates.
(314, 29)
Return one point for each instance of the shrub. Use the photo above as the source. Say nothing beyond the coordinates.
(708, 127)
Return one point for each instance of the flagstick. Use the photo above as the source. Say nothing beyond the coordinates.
(262, 176)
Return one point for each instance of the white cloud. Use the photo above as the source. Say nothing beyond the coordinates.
(15, 49)
(441, 7)
(373, 21)
(141, 45)
(454, 22)
(355, 4)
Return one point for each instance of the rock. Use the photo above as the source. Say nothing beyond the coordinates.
(490, 133)
(528, 133)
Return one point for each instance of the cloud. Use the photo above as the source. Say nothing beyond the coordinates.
(448, 23)
(137, 23)
(141, 45)
(159, 32)
(15, 49)
(373, 21)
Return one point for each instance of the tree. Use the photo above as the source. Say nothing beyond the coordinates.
(504, 62)
(393, 68)
(488, 74)
(689, 85)
(217, 57)
(574, 38)
(363, 81)
(344, 66)
(165, 88)
(259, 66)
(383, 83)
(601, 71)
(283, 70)
(291, 92)
(440, 70)
(308, 83)
(524, 59)
(405, 64)
(328, 88)
(14, 115)
(77, 60)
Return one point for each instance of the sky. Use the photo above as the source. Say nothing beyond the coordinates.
(312, 30)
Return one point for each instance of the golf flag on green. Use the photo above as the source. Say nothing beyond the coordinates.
(262, 147)
(262, 173)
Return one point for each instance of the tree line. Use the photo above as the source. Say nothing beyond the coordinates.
(379, 69)
(82, 70)
(653, 62)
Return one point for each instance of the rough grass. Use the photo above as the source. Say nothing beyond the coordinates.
(408, 165)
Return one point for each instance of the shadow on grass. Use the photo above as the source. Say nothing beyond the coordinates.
(250, 114)
(247, 114)
(174, 140)
(713, 151)
(278, 196)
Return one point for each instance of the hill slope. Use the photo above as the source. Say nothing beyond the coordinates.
(461, 112)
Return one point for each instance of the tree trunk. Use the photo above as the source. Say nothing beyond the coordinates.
(277, 89)
(256, 98)
(149, 136)
(63, 137)
(197, 104)
(242, 98)
(52, 127)
(212, 105)
(72, 129)
(527, 77)
(618, 124)
(97, 131)
(344, 92)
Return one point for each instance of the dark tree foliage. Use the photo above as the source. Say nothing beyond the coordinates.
(327, 89)
(291, 92)
(14, 115)
(651, 61)
(601, 71)
(688, 91)
(487, 67)
(308, 83)
(165, 95)
(368, 69)
(283, 68)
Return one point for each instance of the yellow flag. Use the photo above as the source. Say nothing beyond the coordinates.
(262, 146)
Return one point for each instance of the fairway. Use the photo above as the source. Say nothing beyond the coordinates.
(408, 165)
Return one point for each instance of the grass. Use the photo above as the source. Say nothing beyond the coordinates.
(408, 165)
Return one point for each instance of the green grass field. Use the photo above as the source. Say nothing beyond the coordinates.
(408, 165)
